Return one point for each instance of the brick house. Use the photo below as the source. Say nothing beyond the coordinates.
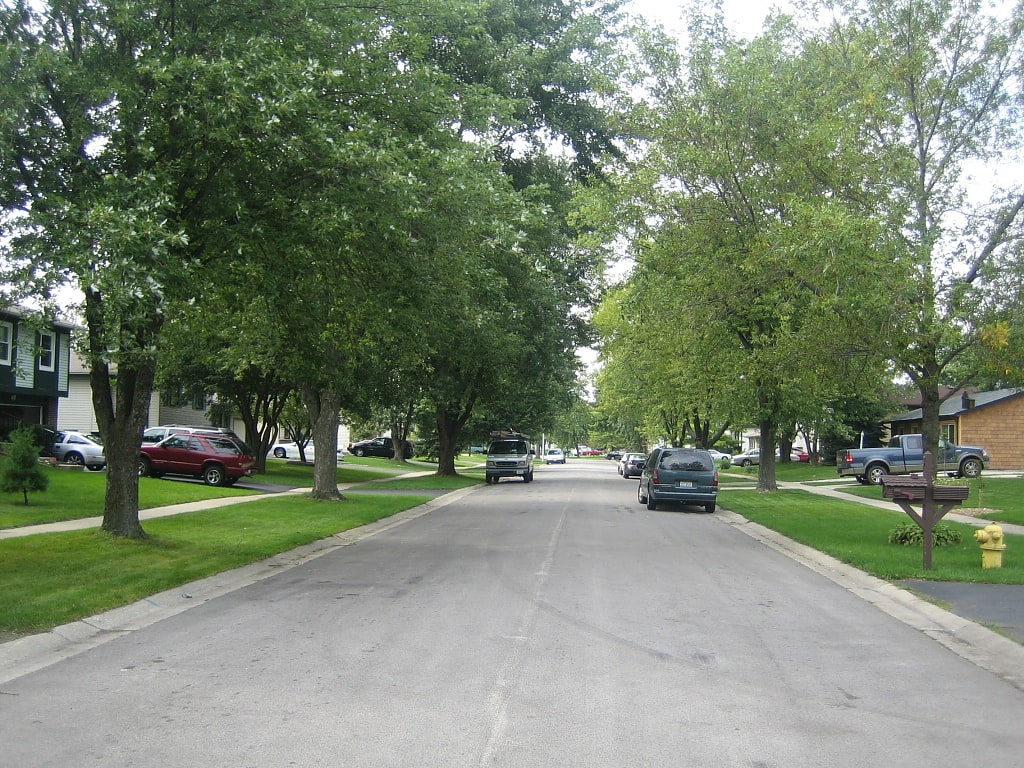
(993, 420)
(34, 361)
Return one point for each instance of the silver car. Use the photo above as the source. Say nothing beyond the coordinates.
(80, 449)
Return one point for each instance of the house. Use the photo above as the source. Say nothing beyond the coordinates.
(993, 420)
(34, 369)
(77, 412)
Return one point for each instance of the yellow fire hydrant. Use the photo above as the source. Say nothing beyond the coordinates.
(991, 539)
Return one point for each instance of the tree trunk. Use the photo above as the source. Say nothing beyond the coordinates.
(766, 469)
(451, 418)
(121, 429)
(324, 407)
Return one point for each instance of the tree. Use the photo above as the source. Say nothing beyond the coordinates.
(132, 136)
(943, 78)
(756, 235)
(21, 472)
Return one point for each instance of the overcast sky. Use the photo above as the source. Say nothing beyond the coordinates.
(743, 16)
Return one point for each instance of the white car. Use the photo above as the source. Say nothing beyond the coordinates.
(289, 449)
(80, 449)
(554, 456)
(718, 456)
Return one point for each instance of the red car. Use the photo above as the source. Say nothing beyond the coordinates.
(217, 459)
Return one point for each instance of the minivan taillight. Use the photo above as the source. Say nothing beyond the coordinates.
(714, 483)
(654, 475)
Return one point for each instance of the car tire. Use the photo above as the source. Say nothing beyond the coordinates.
(145, 468)
(709, 508)
(214, 474)
(359, 452)
(640, 498)
(652, 503)
(280, 453)
(745, 463)
(970, 468)
(875, 473)
(528, 478)
(74, 458)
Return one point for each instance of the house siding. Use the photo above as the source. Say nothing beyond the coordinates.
(998, 428)
(29, 393)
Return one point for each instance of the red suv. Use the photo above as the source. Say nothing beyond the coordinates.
(217, 459)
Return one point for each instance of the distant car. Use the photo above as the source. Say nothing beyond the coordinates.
(632, 464)
(377, 446)
(718, 456)
(554, 456)
(588, 451)
(613, 455)
(753, 458)
(682, 475)
(289, 449)
(78, 448)
(217, 459)
(747, 458)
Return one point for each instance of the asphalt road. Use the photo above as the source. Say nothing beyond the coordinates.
(557, 623)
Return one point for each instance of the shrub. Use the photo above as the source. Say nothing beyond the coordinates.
(910, 534)
(21, 471)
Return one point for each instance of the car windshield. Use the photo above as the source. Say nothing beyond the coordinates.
(508, 446)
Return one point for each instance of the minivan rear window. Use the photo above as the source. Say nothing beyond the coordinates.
(687, 461)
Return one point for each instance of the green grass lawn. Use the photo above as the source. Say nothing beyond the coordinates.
(858, 534)
(1001, 498)
(87, 490)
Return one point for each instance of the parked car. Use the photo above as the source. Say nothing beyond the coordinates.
(377, 446)
(720, 457)
(753, 457)
(683, 475)
(588, 451)
(632, 464)
(78, 448)
(554, 456)
(613, 455)
(219, 459)
(509, 455)
(747, 458)
(289, 449)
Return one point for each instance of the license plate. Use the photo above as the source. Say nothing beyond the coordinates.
(684, 484)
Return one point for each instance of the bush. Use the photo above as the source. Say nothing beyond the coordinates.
(910, 534)
(21, 471)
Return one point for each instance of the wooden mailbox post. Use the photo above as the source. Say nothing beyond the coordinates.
(910, 489)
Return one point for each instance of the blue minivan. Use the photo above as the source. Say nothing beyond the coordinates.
(682, 475)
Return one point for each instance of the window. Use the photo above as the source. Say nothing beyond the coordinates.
(47, 345)
(6, 343)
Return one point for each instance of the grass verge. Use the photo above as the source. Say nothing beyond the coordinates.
(87, 490)
(858, 534)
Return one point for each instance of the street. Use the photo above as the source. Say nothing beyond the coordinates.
(556, 623)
